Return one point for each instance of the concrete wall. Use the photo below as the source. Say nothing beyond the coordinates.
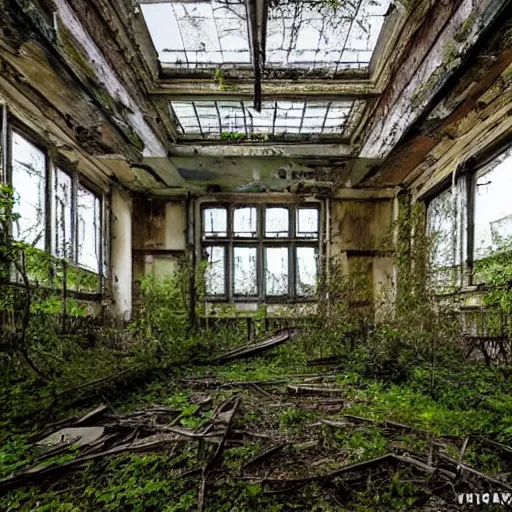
(121, 254)
(361, 241)
(159, 237)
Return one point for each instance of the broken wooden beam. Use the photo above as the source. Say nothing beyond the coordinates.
(254, 349)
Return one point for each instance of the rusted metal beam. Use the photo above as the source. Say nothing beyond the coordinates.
(255, 44)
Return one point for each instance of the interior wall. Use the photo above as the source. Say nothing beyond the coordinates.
(159, 237)
(121, 254)
(361, 240)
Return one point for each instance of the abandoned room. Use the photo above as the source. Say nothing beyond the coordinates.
(255, 255)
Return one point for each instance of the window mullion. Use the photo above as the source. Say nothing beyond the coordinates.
(4, 146)
(291, 253)
(231, 260)
(74, 218)
(470, 233)
(260, 269)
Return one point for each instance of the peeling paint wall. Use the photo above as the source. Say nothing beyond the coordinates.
(121, 254)
(159, 237)
(361, 241)
(454, 30)
(360, 236)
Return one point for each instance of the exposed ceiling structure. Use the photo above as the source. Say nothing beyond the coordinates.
(253, 94)
(318, 34)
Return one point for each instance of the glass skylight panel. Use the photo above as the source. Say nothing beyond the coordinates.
(199, 34)
(314, 34)
(232, 116)
(186, 114)
(215, 119)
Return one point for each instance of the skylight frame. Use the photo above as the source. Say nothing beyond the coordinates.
(197, 26)
(272, 125)
(337, 66)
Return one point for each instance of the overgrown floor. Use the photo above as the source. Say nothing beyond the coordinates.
(284, 441)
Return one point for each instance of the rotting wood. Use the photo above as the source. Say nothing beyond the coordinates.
(264, 455)
(254, 349)
(102, 409)
(360, 466)
(468, 469)
(234, 401)
(313, 390)
(26, 478)
(261, 390)
(497, 446)
(385, 424)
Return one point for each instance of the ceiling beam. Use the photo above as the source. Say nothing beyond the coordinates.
(264, 150)
(178, 88)
(447, 41)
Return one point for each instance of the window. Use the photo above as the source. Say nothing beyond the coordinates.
(444, 226)
(222, 119)
(56, 211)
(493, 207)
(470, 221)
(62, 215)
(261, 253)
(312, 34)
(29, 181)
(88, 229)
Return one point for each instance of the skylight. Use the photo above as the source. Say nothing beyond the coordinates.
(199, 34)
(314, 34)
(318, 33)
(222, 119)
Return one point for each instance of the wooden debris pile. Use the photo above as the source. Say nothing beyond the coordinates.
(285, 461)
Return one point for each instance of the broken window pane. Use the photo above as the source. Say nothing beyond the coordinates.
(215, 222)
(317, 34)
(306, 270)
(88, 229)
(245, 222)
(199, 34)
(216, 119)
(244, 271)
(493, 208)
(307, 223)
(29, 182)
(277, 222)
(62, 215)
(276, 271)
(444, 222)
(215, 271)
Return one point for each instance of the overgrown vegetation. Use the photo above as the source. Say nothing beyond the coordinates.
(385, 358)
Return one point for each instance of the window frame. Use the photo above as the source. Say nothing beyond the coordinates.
(390, 25)
(53, 162)
(469, 171)
(355, 112)
(261, 242)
